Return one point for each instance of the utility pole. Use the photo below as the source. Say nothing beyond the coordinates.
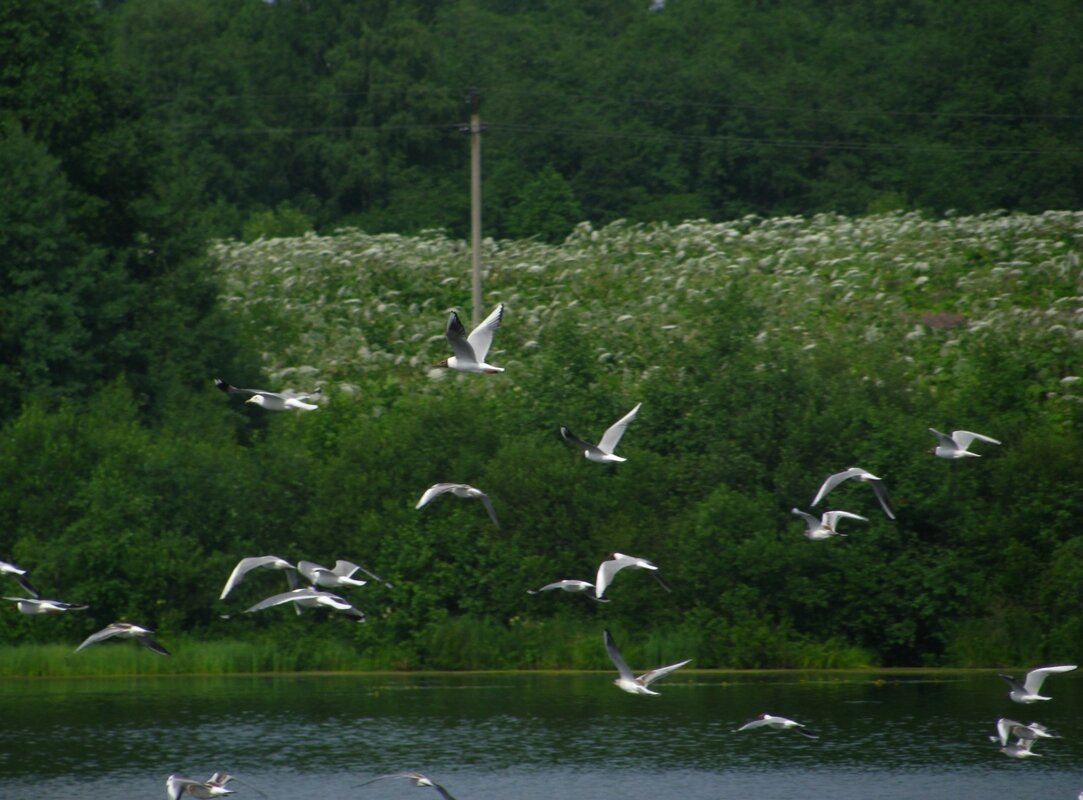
(474, 99)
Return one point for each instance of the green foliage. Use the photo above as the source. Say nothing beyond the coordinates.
(767, 353)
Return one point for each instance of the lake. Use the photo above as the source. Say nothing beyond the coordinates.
(913, 735)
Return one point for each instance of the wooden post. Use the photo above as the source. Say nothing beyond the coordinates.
(475, 203)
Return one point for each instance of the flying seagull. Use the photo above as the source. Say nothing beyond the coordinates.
(340, 575)
(824, 527)
(125, 630)
(628, 680)
(463, 490)
(246, 565)
(1027, 691)
(1007, 728)
(861, 475)
(309, 598)
(176, 786)
(610, 567)
(470, 351)
(1020, 749)
(35, 605)
(778, 724)
(602, 453)
(416, 778)
(585, 587)
(955, 445)
(19, 575)
(272, 401)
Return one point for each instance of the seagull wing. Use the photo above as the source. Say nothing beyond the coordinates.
(28, 587)
(575, 441)
(484, 498)
(606, 570)
(286, 597)
(944, 439)
(146, 640)
(435, 490)
(481, 338)
(649, 677)
(372, 575)
(811, 522)
(833, 481)
(1005, 727)
(964, 438)
(344, 569)
(460, 345)
(229, 388)
(881, 495)
(175, 786)
(244, 566)
(612, 435)
(1036, 677)
(758, 722)
(832, 517)
(107, 632)
(615, 657)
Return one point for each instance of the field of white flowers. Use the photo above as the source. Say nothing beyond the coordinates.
(340, 309)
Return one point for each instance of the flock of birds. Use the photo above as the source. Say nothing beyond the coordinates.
(470, 351)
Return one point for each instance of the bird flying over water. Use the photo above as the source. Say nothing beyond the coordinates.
(417, 779)
(175, 786)
(602, 453)
(778, 724)
(471, 351)
(627, 679)
(1027, 691)
(857, 473)
(125, 630)
(272, 401)
(463, 490)
(955, 445)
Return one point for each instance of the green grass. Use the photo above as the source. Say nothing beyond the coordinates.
(458, 644)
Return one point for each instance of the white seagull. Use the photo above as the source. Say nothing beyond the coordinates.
(309, 598)
(175, 786)
(1027, 691)
(340, 575)
(570, 586)
(36, 605)
(272, 401)
(463, 490)
(125, 630)
(824, 527)
(628, 680)
(416, 778)
(618, 561)
(602, 453)
(246, 565)
(955, 445)
(1020, 749)
(19, 575)
(470, 351)
(1007, 728)
(857, 473)
(778, 724)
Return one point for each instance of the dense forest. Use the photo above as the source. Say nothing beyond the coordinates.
(800, 233)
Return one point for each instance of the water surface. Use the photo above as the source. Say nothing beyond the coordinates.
(537, 736)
